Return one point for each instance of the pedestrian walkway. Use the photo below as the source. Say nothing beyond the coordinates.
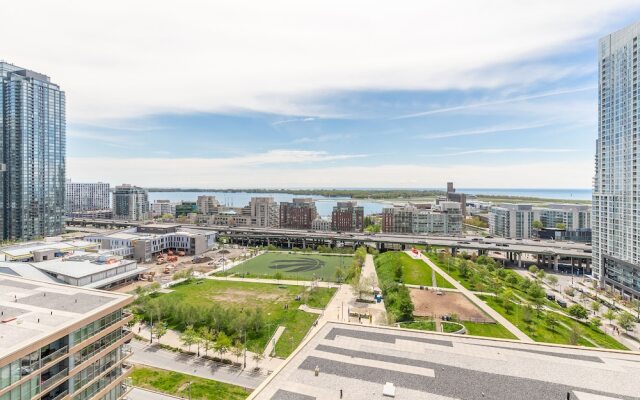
(310, 310)
(269, 349)
(481, 304)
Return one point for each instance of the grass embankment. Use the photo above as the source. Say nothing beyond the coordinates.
(177, 384)
(413, 271)
(237, 307)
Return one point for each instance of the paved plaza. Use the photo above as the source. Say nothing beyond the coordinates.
(359, 360)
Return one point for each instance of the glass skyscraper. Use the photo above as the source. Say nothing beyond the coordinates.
(32, 154)
(616, 215)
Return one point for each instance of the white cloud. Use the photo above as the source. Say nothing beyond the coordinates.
(206, 173)
(120, 59)
(322, 138)
(519, 150)
(484, 131)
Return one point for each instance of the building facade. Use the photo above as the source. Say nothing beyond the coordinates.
(511, 220)
(264, 212)
(572, 216)
(87, 196)
(297, 214)
(185, 208)
(347, 216)
(130, 203)
(163, 207)
(32, 154)
(62, 341)
(207, 205)
(444, 218)
(616, 189)
(321, 224)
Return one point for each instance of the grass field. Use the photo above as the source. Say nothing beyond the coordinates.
(268, 297)
(488, 330)
(414, 272)
(293, 266)
(177, 384)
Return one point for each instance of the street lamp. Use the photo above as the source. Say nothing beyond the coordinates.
(189, 389)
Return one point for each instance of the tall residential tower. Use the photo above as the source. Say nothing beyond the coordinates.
(616, 216)
(32, 154)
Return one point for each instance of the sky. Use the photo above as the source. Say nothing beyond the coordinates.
(322, 94)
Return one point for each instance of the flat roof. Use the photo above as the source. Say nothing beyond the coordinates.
(81, 264)
(360, 360)
(26, 250)
(41, 309)
(25, 270)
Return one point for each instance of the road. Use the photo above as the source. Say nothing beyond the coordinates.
(481, 304)
(158, 358)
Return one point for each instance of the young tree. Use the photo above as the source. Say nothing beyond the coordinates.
(609, 315)
(561, 226)
(595, 307)
(540, 274)
(506, 298)
(278, 275)
(237, 349)
(635, 303)
(626, 321)
(223, 344)
(552, 321)
(537, 224)
(159, 330)
(533, 269)
(595, 322)
(257, 357)
(578, 311)
(575, 334)
(552, 280)
(569, 291)
(189, 337)
(207, 337)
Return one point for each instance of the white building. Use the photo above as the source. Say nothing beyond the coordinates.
(264, 212)
(130, 203)
(444, 218)
(321, 224)
(207, 205)
(163, 207)
(511, 220)
(87, 196)
(572, 216)
(616, 215)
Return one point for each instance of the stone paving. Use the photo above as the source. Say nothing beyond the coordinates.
(355, 362)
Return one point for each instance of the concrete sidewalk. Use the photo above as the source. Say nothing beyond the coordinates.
(481, 304)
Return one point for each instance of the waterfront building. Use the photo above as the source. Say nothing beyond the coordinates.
(444, 218)
(86, 197)
(130, 203)
(511, 220)
(297, 214)
(572, 216)
(32, 154)
(321, 224)
(163, 207)
(616, 193)
(264, 212)
(347, 216)
(458, 197)
(184, 208)
(207, 205)
(62, 342)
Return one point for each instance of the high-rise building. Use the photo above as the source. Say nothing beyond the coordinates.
(61, 341)
(616, 191)
(511, 220)
(297, 214)
(130, 203)
(207, 205)
(458, 197)
(347, 216)
(264, 212)
(87, 196)
(32, 154)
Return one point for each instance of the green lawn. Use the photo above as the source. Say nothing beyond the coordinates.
(177, 384)
(488, 330)
(270, 298)
(414, 271)
(293, 266)
(421, 325)
(539, 330)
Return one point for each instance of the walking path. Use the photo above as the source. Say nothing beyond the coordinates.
(377, 310)
(271, 346)
(154, 356)
(310, 310)
(481, 304)
(273, 281)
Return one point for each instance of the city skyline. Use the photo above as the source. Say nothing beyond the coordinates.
(421, 102)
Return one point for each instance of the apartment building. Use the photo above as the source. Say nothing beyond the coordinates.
(321, 224)
(62, 342)
(163, 207)
(32, 154)
(616, 215)
(86, 197)
(572, 216)
(458, 197)
(298, 213)
(207, 205)
(184, 208)
(130, 203)
(264, 212)
(444, 218)
(511, 220)
(347, 216)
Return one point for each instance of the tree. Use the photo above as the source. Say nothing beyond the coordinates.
(595, 322)
(207, 337)
(506, 298)
(575, 334)
(537, 224)
(237, 350)
(257, 357)
(635, 303)
(222, 345)
(540, 274)
(552, 280)
(626, 321)
(159, 330)
(595, 307)
(339, 275)
(609, 315)
(537, 294)
(189, 337)
(552, 321)
(569, 291)
(533, 269)
(577, 311)
(561, 226)
(278, 276)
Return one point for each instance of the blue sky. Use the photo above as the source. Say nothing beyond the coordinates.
(488, 94)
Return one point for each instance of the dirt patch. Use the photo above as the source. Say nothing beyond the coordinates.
(427, 303)
(238, 296)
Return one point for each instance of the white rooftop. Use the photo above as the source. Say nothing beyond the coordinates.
(25, 250)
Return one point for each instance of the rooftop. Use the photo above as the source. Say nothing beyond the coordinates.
(41, 309)
(360, 360)
(25, 250)
(82, 264)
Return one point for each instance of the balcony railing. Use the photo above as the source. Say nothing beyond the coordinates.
(61, 395)
(53, 379)
(53, 356)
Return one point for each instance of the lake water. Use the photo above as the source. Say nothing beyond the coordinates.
(325, 204)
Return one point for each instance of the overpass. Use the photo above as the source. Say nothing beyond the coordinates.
(546, 252)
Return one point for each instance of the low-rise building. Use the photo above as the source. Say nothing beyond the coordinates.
(185, 208)
(93, 214)
(570, 217)
(43, 250)
(444, 218)
(163, 207)
(143, 242)
(511, 220)
(347, 216)
(298, 213)
(321, 224)
(62, 342)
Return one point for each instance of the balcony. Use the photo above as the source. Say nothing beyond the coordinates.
(44, 385)
(54, 356)
(60, 396)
